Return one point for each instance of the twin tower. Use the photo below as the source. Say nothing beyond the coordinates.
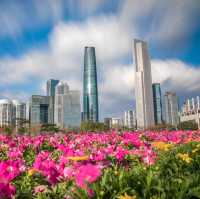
(143, 86)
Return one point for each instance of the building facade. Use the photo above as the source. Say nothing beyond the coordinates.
(108, 122)
(129, 119)
(6, 109)
(19, 112)
(41, 110)
(67, 107)
(190, 111)
(143, 86)
(157, 102)
(51, 87)
(171, 108)
(90, 88)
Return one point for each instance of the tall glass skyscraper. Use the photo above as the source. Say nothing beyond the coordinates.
(90, 89)
(157, 102)
(51, 85)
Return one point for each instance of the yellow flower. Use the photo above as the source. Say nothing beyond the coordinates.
(32, 171)
(185, 157)
(162, 145)
(195, 150)
(126, 196)
(78, 158)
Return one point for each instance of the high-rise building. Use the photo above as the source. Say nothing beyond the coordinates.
(19, 112)
(157, 102)
(6, 118)
(171, 108)
(190, 111)
(41, 110)
(67, 106)
(143, 86)
(90, 89)
(108, 122)
(129, 119)
(51, 86)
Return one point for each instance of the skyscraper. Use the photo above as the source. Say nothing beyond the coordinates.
(143, 86)
(41, 109)
(157, 102)
(67, 106)
(171, 108)
(51, 85)
(129, 119)
(19, 112)
(90, 89)
(6, 118)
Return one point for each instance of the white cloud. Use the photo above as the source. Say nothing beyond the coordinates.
(176, 75)
(112, 37)
(163, 22)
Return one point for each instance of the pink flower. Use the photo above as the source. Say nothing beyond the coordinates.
(7, 190)
(87, 173)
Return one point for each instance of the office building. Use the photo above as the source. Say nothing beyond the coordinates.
(143, 86)
(67, 106)
(157, 102)
(108, 122)
(191, 111)
(6, 118)
(129, 119)
(41, 110)
(51, 86)
(171, 108)
(116, 123)
(90, 88)
(19, 112)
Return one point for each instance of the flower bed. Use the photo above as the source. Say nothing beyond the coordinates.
(101, 165)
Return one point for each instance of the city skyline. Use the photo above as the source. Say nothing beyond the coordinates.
(51, 46)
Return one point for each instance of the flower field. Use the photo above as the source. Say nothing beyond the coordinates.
(128, 165)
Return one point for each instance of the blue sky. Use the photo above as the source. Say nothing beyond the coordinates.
(45, 39)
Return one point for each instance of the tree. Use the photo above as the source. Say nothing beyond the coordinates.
(49, 128)
(93, 126)
(188, 125)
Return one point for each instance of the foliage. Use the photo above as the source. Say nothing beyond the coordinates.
(188, 125)
(93, 126)
(126, 165)
(49, 128)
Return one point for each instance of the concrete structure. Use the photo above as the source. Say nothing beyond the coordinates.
(157, 102)
(143, 86)
(41, 110)
(6, 117)
(19, 112)
(67, 107)
(129, 119)
(90, 88)
(191, 111)
(171, 108)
